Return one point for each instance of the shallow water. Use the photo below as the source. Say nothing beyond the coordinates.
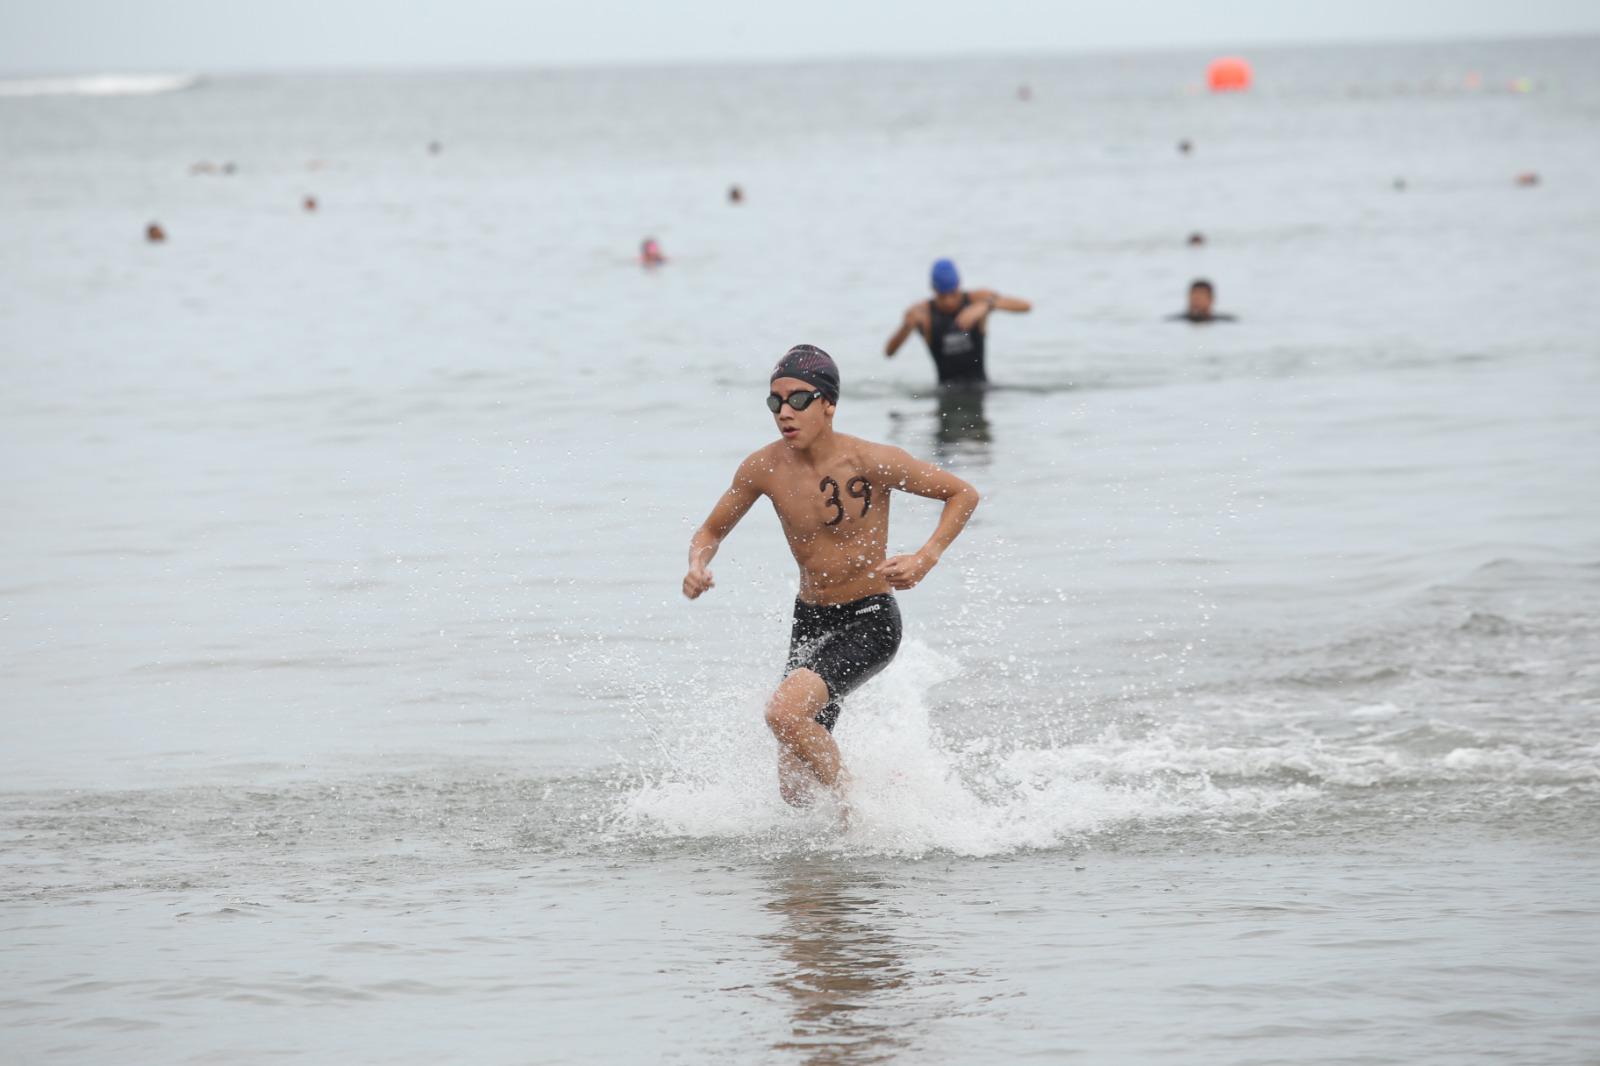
(350, 707)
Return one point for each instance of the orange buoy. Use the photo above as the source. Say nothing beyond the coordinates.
(1228, 74)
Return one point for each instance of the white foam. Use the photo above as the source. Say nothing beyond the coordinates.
(99, 85)
(1500, 761)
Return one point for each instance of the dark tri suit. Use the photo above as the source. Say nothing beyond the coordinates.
(845, 644)
(957, 353)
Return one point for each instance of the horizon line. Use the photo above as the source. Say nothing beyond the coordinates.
(843, 58)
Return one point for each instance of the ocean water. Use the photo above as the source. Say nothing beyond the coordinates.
(350, 710)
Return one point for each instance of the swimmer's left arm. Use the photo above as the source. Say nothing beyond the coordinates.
(986, 300)
(900, 470)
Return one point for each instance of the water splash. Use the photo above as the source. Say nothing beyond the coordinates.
(915, 790)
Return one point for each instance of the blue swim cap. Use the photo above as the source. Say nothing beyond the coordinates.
(944, 277)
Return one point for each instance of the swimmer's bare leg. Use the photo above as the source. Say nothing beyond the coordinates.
(807, 752)
(796, 783)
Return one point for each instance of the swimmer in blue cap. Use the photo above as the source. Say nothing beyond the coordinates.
(831, 493)
(954, 325)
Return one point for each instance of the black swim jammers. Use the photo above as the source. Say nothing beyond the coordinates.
(845, 644)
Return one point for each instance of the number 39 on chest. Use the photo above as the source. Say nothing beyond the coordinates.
(858, 488)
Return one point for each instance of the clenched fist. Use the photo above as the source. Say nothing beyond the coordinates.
(696, 581)
(904, 571)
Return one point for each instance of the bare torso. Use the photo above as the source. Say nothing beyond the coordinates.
(835, 514)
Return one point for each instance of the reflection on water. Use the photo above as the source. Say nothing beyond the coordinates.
(961, 418)
(960, 425)
(839, 970)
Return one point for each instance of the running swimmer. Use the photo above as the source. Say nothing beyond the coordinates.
(831, 492)
(955, 325)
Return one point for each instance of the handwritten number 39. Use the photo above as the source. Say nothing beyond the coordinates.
(859, 488)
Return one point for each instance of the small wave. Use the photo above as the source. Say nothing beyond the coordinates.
(1346, 676)
(100, 85)
(1487, 624)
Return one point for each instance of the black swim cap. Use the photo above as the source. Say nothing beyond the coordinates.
(811, 365)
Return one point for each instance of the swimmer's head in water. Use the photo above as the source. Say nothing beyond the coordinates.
(812, 365)
(944, 278)
(1200, 297)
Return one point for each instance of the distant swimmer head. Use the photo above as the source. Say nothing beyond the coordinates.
(650, 253)
(1201, 295)
(154, 233)
(944, 277)
(1197, 238)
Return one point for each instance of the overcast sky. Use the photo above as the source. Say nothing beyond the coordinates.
(90, 36)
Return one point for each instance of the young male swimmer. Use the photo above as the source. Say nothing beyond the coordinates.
(831, 492)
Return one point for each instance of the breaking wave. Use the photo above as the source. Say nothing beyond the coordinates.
(99, 85)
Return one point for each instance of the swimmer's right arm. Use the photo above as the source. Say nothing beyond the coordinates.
(734, 505)
(909, 324)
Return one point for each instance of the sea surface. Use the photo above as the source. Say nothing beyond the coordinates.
(350, 710)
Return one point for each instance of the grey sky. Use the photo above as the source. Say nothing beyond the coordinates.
(89, 36)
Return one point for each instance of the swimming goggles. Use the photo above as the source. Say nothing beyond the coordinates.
(798, 400)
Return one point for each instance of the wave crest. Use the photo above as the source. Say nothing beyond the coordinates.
(99, 85)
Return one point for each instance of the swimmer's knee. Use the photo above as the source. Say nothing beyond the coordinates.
(798, 699)
(782, 718)
(803, 687)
